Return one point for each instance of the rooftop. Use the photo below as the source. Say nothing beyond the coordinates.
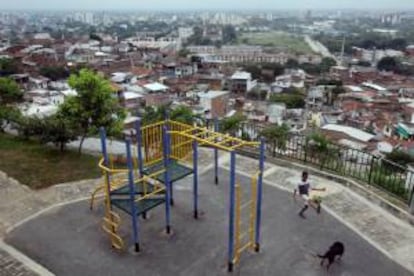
(350, 131)
(211, 94)
(241, 76)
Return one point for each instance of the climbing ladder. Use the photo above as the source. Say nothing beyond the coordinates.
(110, 224)
(241, 244)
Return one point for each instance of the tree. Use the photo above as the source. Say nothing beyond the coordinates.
(291, 100)
(232, 125)
(9, 115)
(292, 63)
(28, 127)
(326, 64)
(253, 69)
(54, 72)
(229, 34)
(7, 67)
(94, 36)
(184, 115)
(388, 64)
(183, 52)
(93, 107)
(10, 91)
(400, 157)
(276, 136)
(56, 130)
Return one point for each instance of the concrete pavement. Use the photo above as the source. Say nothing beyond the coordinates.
(381, 230)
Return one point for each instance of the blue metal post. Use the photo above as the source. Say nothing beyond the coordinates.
(259, 195)
(195, 177)
(132, 194)
(166, 118)
(139, 147)
(231, 215)
(166, 149)
(216, 129)
(102, 134)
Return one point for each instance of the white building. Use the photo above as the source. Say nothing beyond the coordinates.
(242, 82)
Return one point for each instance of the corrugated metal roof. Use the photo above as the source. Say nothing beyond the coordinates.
(350, 131)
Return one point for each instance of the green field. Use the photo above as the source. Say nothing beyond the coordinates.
(279, 41)
(39, 166)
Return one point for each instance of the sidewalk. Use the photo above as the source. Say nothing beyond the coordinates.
(392, 236)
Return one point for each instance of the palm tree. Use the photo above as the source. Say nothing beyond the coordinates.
(276, 136)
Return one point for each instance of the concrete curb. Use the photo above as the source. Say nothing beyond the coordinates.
(26, 261)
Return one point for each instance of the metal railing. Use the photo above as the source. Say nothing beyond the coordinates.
(365, 167)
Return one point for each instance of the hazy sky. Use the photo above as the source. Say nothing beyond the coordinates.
(206, 4)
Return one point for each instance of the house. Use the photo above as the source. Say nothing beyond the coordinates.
(36, 93)
(132, 100)
(214, 102)
(242, 82)
(276, 112)
(155, 87)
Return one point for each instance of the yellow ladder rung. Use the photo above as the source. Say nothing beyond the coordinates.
(116, 240)
(247, 204)
(244, 247)
(111, 224)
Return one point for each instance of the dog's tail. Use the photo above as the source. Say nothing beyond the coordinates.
(320, 256)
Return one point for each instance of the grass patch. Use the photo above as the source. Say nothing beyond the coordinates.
(39, 166)
(277, 40)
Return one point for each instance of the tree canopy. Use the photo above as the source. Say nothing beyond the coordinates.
(276, 136)
(54, 72)
(388, 64)
(229, 34)
(10, 91)
(291, 100)
(93, 107)
(231, 125)
(7, 67)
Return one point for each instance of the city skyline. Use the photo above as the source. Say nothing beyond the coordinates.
(212, 4)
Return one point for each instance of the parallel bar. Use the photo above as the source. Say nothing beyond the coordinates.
(132, 195)
(231, 209)
(195, 178)
(167, 179)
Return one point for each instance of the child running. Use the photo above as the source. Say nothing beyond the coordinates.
(304, 188)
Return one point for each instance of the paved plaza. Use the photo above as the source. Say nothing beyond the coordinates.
(68, 240)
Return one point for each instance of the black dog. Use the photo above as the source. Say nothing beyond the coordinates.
(336, 249)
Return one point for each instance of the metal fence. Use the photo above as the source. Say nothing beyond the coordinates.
(388, 176)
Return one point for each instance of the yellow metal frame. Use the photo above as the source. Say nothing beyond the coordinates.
(182, 137)
(240, 247)
(210, 138)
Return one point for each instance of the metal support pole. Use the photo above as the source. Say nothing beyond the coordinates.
(195, 177)
(132, 194)
(139, 147)
(165, 140)
(216, 129)
(259, 195)
(231, 210)
(168, 145)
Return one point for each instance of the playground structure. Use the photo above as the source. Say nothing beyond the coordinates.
(159, 157)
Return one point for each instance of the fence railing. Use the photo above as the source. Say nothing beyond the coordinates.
(388, 176)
